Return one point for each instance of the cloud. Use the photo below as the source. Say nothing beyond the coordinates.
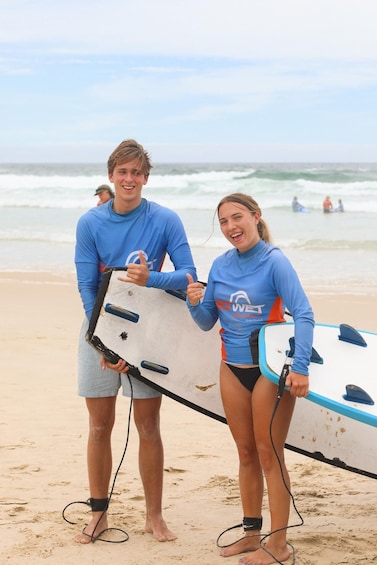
(242, 29)
(261, 72)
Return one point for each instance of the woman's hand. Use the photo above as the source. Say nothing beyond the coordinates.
(298, 384)
(195, 291)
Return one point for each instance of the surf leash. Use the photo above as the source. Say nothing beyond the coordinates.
(263, 537)
(282, 379)
(104, 509)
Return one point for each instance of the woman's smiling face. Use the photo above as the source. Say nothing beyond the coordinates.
(239, 225)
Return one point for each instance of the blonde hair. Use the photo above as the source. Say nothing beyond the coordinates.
(249, 203)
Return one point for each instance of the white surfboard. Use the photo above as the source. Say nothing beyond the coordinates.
(153, 331)
(338, 419)
(342, 377)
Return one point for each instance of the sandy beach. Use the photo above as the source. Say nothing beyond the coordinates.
(43, 429)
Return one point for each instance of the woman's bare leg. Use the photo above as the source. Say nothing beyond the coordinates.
(238, 410)
(264, 399)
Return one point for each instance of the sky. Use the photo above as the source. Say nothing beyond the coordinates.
(192, 80)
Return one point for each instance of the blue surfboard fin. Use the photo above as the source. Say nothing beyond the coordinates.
(314, 358)
(156, 367)
(349, 334)
(122, 313)
(355, 393)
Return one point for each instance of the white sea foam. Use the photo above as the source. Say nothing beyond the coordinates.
(40, 206)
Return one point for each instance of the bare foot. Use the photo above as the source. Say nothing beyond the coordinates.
(247, 543)
(159, 529)
(90, 533)
(261, 557)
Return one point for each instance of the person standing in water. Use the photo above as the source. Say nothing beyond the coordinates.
(327, 205)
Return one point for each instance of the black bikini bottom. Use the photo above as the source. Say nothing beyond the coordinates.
(247, 376)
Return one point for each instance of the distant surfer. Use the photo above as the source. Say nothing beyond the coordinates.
(249, 286)
(327, 205)
(134, 232)
(340, 207)
(296, 206)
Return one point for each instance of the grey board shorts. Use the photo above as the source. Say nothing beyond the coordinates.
(93, 382)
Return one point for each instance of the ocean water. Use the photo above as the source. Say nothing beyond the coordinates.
(41, 203)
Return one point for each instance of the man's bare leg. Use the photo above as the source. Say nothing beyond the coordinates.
(99, 460)
(151, 463)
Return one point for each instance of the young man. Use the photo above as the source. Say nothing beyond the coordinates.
(134, 232)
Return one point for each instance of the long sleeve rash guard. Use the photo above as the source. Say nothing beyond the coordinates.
(105, 239)
(246, 291)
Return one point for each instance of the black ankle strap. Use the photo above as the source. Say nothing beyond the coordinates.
(250, 524)
(99, 504)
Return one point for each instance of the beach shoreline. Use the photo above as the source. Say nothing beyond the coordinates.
(43, 447)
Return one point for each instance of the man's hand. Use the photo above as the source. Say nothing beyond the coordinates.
(137, 273)
(120, 367)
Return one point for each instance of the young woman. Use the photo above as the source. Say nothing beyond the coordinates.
(249, 286)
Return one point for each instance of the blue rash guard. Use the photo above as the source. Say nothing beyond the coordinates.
(105, 239)
(250, 289)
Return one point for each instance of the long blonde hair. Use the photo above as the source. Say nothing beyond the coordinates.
(250, 204)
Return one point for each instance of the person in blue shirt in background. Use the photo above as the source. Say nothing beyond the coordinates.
(137, 233)
(296, 206)
(249, 286)
(340, 207)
